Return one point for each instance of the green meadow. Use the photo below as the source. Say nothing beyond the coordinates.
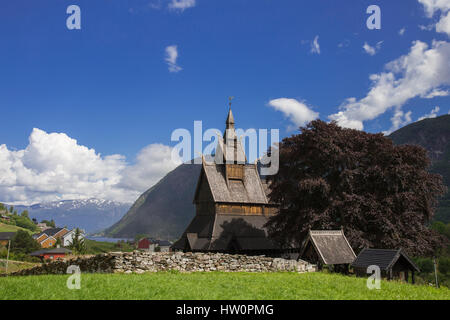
(213, 285)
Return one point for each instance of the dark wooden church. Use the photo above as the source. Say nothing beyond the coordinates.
(231, 204)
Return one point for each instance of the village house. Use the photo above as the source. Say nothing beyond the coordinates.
(67, 238)
(49, 237)
(150, 244)
(231, 204)
(42, 226)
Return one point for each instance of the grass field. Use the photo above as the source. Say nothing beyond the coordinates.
(10, 228)
(14, 266)
(217, 285)
(96, 247)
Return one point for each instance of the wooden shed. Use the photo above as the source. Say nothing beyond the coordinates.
(328, 247)
(393, 264)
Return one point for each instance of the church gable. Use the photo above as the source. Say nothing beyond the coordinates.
(203, 190)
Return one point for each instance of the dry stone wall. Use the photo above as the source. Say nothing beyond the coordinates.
(141, 261)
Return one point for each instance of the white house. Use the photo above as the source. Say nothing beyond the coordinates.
(66, 240)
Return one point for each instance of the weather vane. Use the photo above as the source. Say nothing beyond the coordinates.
(229, 100)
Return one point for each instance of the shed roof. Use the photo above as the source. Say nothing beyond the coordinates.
(50, 251)
(383, 258)
(331, 246)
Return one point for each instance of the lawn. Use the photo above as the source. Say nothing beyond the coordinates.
(14, 266)
(10, 228)
(216, 285)
(96, 247)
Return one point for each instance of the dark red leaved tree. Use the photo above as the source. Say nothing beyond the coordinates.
(331, 177)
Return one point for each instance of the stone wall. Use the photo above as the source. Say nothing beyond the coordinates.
(140, 262)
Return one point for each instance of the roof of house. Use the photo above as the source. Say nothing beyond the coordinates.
(164, 243)
(50, 232)
(218, 232)
(383, 258)
(50, 251)
(331, 246)
(47, 238)
(6, 235)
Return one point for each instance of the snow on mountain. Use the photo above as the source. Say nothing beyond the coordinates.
(88, 214)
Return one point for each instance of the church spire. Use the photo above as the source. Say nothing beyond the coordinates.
(230, 118)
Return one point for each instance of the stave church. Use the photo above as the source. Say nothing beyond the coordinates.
(231, 203)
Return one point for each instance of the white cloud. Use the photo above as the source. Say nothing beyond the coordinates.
(181, 5)
(426, 28)
(417, 74)
(171, 58)
(402, 31)
(399, 119)
(443, 26)
(297, 112)
(315, 46)
(344, 43)
(372, 50)
(151, 161)
(441, 6)
(432, 114)
(55, 167)
(437, 93)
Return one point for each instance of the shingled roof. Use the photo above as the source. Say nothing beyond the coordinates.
(248, 190)
(383, 258)
(331, 246)
(50, 232)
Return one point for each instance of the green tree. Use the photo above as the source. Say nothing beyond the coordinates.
(24, 222)
(11, 209)
(23, 242)
(78, 245)
(25, 214)
(444, 265)
(58, 243)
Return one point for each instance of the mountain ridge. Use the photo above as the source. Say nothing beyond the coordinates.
(433, 134)
(90, 215)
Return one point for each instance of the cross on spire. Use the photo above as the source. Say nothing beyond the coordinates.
(229, 101)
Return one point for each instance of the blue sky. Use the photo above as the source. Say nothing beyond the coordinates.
(109, 86)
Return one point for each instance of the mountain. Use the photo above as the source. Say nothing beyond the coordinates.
(434, 136)
(89, 214)
(164, 210)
